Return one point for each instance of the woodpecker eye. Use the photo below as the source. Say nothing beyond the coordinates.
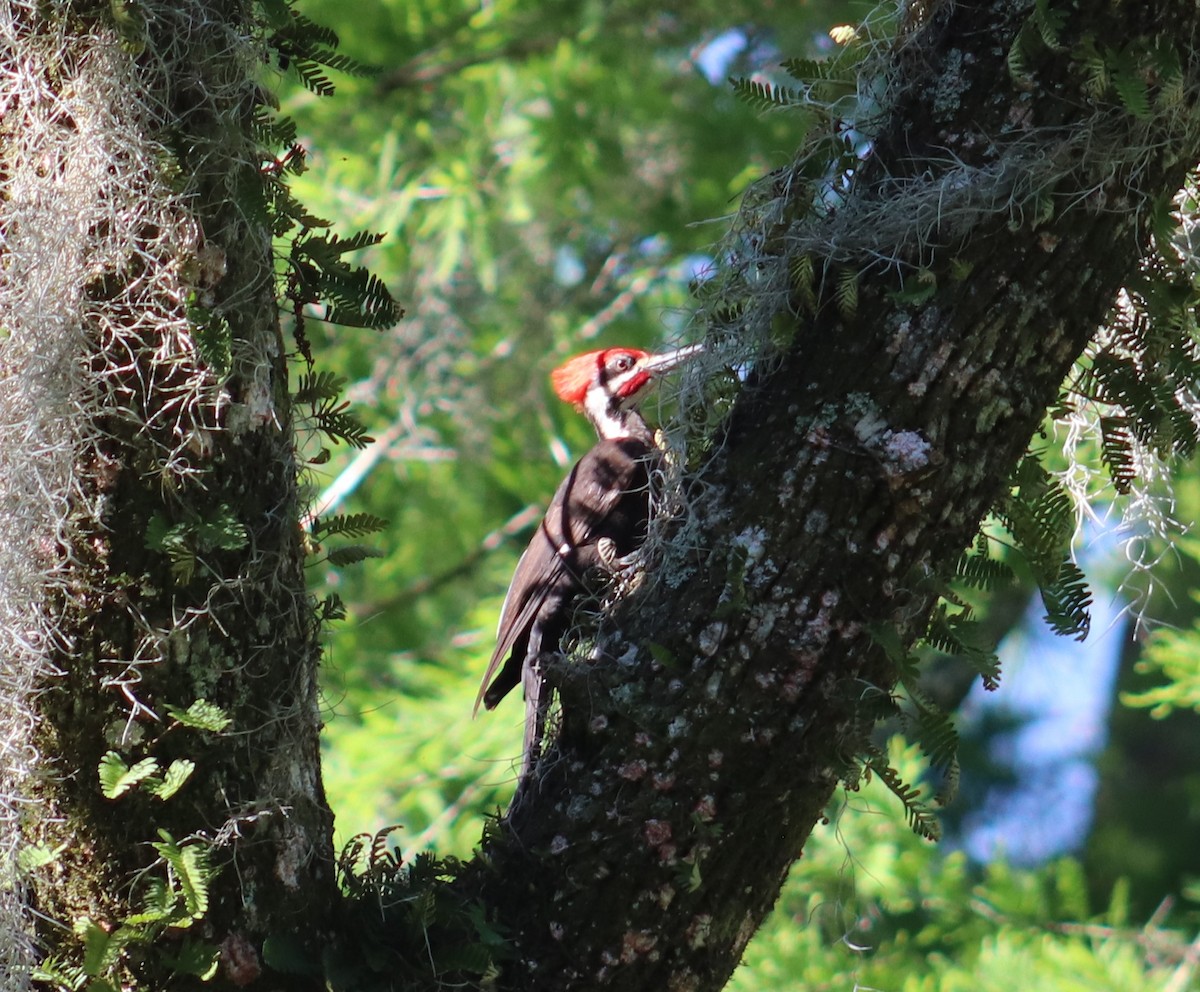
(623, 363)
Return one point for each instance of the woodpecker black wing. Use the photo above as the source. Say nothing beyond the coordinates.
(605, 495)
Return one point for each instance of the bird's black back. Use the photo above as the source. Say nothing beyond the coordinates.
(605, 495)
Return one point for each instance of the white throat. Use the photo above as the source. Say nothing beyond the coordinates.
(611, 421)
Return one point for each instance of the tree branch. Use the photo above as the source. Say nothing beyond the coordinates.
(855, 463)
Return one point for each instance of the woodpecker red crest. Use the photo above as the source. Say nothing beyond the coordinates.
(603, 503)
(574, 378)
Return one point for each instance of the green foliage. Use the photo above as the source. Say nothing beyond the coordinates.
(872, 905)
(571, 135)
(1040, 517)
(129, 19)
(200, 715)
(846, 294)
(764, 96)
(214, 338)
(921, 819)
(189, 872)
(170, 906)
(117, 778)
(347, 525)
(320, 393)
(404, 926)
(308, 47)
(1144, 76)
(353, 296)
(186, 541)
(1172, 656)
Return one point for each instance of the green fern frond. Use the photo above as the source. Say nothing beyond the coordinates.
(1016, 60)
(1049, 22)
(921, 818)
(342, 63)
(804, 282)
(308, 34)
(117, 778)
(932, 728)
(1129, 82)
(808, 70)
(201, 715)
(339, 424)
(313, 77)
(845, 294)
(1096, 79)
(981, 572)
(766, 96)
(318, 387)
(1168, 71)
(963, 637)
(348, 525)
(352, 554)
(1116, 452)
(354, 296)
(190, 866)
(1066, 600)
(274, 131)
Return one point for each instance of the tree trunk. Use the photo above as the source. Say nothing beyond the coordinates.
(856, 463)
(155, 616)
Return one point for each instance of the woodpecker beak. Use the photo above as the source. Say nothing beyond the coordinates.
(659, 364)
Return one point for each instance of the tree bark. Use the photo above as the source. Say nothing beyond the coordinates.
(145, 394)
(855, 463)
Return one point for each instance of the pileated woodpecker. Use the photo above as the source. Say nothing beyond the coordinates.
(599, 512)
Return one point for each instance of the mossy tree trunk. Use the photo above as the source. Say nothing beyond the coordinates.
(175, 640)
(853, 471)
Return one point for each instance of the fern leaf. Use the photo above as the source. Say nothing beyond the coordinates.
(1066, 600)
(309, 36)
(348, 525)
(1116, 451)
(352, 554)
(935, 733)
(765, 96)
(1049, 22)
(339, 424)
(846, 293)
(275, 131)
(1018, 68)
(317, 386)
(804, 282)
(807, 70)
(194, 874)
(117, 778)
(342, 63)
(177, 773)
(201, 715)
(965, 638)
(191, 867)
(981, 572)
(921, 819)
(158, 904)
(99, 950)
(1131, 86)
(313, 77)
(1095, 69)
